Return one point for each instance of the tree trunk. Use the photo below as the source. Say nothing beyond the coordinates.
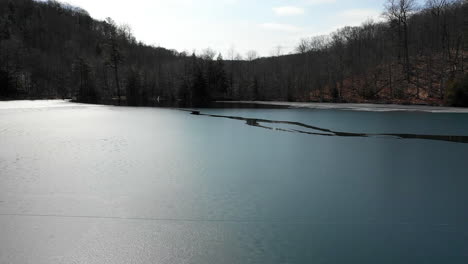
(117, 82)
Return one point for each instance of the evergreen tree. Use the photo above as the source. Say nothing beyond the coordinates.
(221, 77)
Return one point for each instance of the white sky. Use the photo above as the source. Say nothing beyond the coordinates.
(261, 25)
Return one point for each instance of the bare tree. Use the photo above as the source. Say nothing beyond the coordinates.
(303, 47)
(319, 43)
(400, 11)
(438, 5)
(231, 54)
(208, 54)
(115, 55)
(251, 55)
(277, 51)
(126, 31)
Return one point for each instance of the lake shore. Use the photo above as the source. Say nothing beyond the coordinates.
(365, 107)
(357, 107)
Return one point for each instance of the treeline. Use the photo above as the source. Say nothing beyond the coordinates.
(417, 55)
(49, 50)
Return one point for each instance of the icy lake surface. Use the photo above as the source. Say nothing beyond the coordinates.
(101, 184)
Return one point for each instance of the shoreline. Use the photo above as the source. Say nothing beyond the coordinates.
(358, 107)
(365, 107)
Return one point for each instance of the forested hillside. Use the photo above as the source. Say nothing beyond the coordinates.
(48, 49)
(417, 55)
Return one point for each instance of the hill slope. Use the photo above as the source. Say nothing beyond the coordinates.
(48, 49)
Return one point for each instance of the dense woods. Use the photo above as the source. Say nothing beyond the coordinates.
(417, 55)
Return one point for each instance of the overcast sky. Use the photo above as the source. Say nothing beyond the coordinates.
(260, 25)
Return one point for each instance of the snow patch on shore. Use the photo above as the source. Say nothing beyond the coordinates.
(360, 107)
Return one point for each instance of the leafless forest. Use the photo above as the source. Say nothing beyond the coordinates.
(418, 55)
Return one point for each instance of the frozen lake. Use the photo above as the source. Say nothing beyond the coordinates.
(102, 184)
